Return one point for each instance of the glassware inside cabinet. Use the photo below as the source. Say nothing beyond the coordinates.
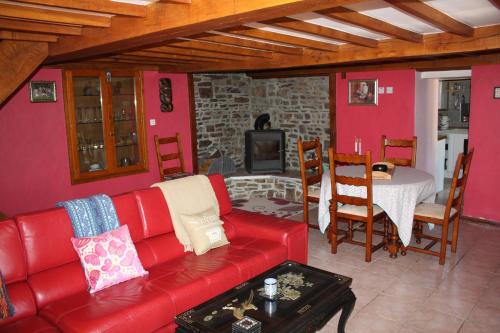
(125, 121)
(89, 120)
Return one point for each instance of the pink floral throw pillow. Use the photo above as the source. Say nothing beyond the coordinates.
(108, 258)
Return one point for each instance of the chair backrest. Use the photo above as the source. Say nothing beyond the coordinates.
(457, 188)
(399, 143)
(351, 159)
(311, 167)
(171, 157)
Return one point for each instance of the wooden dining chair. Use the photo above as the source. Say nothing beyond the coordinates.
(311, 171)
(399, 143)
(443, 214)
(174, 159)
(352, 208)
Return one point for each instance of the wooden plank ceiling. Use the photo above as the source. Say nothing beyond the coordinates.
(242, 35)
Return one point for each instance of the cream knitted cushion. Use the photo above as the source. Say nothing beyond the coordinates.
(359, 210)
(432, 210)
(205, 230)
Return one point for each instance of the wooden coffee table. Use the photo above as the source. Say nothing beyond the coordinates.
(308, 298)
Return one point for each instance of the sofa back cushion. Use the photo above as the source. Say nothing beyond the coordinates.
(54, 270)
(12, 260)
(128, 214)
(159, 249)
(154, 212)
(225, 205)
(14, 270)
(46, 238)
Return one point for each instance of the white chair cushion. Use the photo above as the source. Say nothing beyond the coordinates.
(359, 210)
(432, 210)
(314, 193)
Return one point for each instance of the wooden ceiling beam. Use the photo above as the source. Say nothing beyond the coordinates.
(455, 62)
(106, 65)
(195, 53)
(100, 6)
(27, 26)
(220, 48)
(173, 69)
(432, 16)
(44, 15)
(18, 60)
(165, 21)
(26, 36)
(167, 56)
(144, 59)
(242, 42)
(485, 39)
(281, 38)
(370, 23)
(176, 1)
(297, 25)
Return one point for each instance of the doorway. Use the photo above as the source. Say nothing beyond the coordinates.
(453, 124)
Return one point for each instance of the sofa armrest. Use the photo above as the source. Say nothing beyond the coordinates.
(291, 234)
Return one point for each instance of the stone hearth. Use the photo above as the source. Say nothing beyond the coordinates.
(227, 105)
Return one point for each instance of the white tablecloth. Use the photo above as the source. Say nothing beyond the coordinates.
(397, 197)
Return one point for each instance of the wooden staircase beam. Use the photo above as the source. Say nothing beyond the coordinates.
(18, 60)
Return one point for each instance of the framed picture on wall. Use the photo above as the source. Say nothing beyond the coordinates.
(363, 92)
(496, 92)
(42, 91)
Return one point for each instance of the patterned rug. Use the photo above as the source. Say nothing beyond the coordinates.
(270, 206)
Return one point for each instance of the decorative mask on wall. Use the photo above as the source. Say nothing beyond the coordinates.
(166, 95)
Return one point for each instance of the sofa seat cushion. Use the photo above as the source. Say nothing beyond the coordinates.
(191, 280)
(253, 256)
(131, 306)
(33, 324)
(22, 299)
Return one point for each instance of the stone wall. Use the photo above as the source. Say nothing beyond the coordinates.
(227, 105)
(300, 106)
(222, 114)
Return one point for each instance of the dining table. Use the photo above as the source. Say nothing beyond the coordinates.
(397, 196)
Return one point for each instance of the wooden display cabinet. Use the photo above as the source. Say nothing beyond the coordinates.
(105, 124)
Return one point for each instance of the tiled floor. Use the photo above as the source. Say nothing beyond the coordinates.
(414, 293)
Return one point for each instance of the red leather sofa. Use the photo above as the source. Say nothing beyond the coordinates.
(46, 283)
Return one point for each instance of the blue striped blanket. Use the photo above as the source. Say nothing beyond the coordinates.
(91, 216)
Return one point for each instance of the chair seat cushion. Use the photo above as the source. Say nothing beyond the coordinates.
(314, 193)
(432, 210)
(359, 210)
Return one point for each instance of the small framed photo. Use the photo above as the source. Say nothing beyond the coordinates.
(42, 91)
(496, 92)
(363, 92)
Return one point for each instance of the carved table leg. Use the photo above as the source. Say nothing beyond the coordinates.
(386, 233)
(418, 232)
(394, 242)
(347, 308)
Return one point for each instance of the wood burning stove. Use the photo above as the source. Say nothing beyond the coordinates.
(265, 151)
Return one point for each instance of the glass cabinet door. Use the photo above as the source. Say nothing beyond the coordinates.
(105, 122)
(89, 124)
(125, 121)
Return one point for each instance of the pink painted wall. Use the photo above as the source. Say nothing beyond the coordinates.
(393, 116)
(481, 197)
(34, 172)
